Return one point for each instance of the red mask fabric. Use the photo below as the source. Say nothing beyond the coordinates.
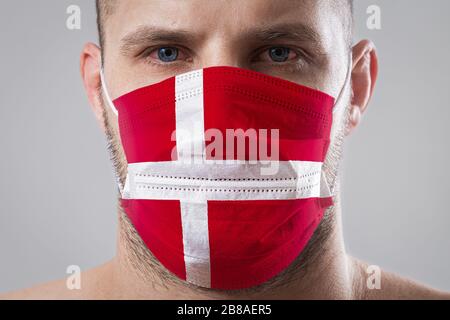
(225, 180)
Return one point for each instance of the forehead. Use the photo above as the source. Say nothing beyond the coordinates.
(227, 18)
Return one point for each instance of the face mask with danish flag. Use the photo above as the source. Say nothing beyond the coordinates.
(225, 181)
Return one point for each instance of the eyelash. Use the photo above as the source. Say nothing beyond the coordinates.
(294, 64)
(301, 57)
(148, 51)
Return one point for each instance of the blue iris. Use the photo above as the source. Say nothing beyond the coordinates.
(168, 54)
(279, 54)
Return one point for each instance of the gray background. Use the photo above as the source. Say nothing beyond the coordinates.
(57, 191)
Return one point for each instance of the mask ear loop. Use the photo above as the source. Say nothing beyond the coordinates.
(347, 80)
(325, 189)
(106, 93)
(114, 110)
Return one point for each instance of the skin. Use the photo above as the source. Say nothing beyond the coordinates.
(222, 33)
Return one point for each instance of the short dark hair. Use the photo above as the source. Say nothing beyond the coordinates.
(106, 7)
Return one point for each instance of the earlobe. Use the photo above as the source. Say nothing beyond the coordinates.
(90, 74)
(364, 76)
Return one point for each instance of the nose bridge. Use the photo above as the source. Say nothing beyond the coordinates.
(221, 50)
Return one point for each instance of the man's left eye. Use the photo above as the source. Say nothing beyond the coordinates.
(278, 54)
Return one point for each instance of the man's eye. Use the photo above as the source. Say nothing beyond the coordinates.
(165, 54)
(278, 54)
(168, 54)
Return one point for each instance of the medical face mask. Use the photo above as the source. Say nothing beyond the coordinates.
(225, 180)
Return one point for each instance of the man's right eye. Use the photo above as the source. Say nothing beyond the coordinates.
(167, 54)
(164, 55)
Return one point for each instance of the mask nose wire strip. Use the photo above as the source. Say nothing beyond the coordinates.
(347, 80)
(114, 110)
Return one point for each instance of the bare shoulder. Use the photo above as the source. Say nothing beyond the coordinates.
(47, 291)
(395, 287)
(92, 282)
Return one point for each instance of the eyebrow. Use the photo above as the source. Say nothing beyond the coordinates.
(296, 32)
(149, 34)
(145, 35)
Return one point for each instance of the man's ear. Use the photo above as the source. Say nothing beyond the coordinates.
(364, 76)
(90, 74)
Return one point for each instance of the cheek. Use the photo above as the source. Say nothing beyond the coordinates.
(327, 80)
(336, 148)
(113, 136)
(128, 78)
(320, 76)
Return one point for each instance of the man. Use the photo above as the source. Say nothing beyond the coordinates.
(307, 42)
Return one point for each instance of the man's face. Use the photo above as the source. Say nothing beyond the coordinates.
(309, 35)
(304, 41)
